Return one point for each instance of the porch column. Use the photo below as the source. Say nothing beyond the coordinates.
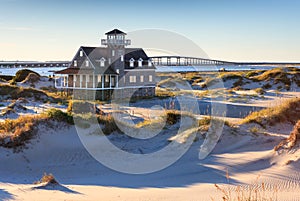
(93, 80)
(74, 81)
(61, 81)
(55, 83)
(103, 80)
(110, 81)
(117, 81)
(80, 81)
(67, 81)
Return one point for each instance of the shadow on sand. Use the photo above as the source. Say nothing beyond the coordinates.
(55, 187)
(4, 195)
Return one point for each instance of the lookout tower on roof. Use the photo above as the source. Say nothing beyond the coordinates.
(115, 38)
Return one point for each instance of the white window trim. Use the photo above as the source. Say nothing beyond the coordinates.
(140, 62)
(102, 62)
(131, 62)
(132, 79)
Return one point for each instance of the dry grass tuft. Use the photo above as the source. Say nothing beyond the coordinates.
(15, 133)
(254, 192)
(287, 112)
(292, 140)
(47, 179)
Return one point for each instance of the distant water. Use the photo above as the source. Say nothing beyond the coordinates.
(211, 68)
(50, 70)
(42, 71)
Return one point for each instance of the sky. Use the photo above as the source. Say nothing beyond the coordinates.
(231, 30)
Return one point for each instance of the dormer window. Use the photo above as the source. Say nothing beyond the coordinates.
(131, 62)
(75, 63)
(149, 63)
(81, 53)
(87, 63)
(102, 62)
(140, 62)
(118, 71)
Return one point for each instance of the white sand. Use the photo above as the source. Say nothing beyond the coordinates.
(244, 155)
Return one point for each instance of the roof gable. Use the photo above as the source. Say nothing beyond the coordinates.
(115, 31)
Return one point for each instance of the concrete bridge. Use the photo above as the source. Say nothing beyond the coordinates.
(186, 61)
(193, 61)
(160, 61)
(33, 64)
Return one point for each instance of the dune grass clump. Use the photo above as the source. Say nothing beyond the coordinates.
(278, 75)
(60, 116)
(47, 179)
(16, 132)
(292, 140)
(231, 75)
(16, 92)
(173, 116)
(260, 91)
(287, 112)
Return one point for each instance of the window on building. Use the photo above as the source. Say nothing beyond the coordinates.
(118, 71)
(106, 78)
(87, 63)
(150, 78)
(131, 62)
(120, 52)
(113, 80)
(99, 78)
(122, 58)
(140, 62)
(142, 78)
(75, 63)
(149, 63)
(109, 60)
(81, 53)
(102, 62)
(78, 78)
(113, 53)
(132, 79)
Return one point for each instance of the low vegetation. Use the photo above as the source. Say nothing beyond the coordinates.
(15, 133)
(287, 112)
(21, 75)
(256, 191)
(292, 140)
(47, 179)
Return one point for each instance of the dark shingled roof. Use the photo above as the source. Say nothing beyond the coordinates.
(94, 55)
(115, 31)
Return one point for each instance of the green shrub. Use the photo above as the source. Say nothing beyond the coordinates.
(59, 116)
(173, 117)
